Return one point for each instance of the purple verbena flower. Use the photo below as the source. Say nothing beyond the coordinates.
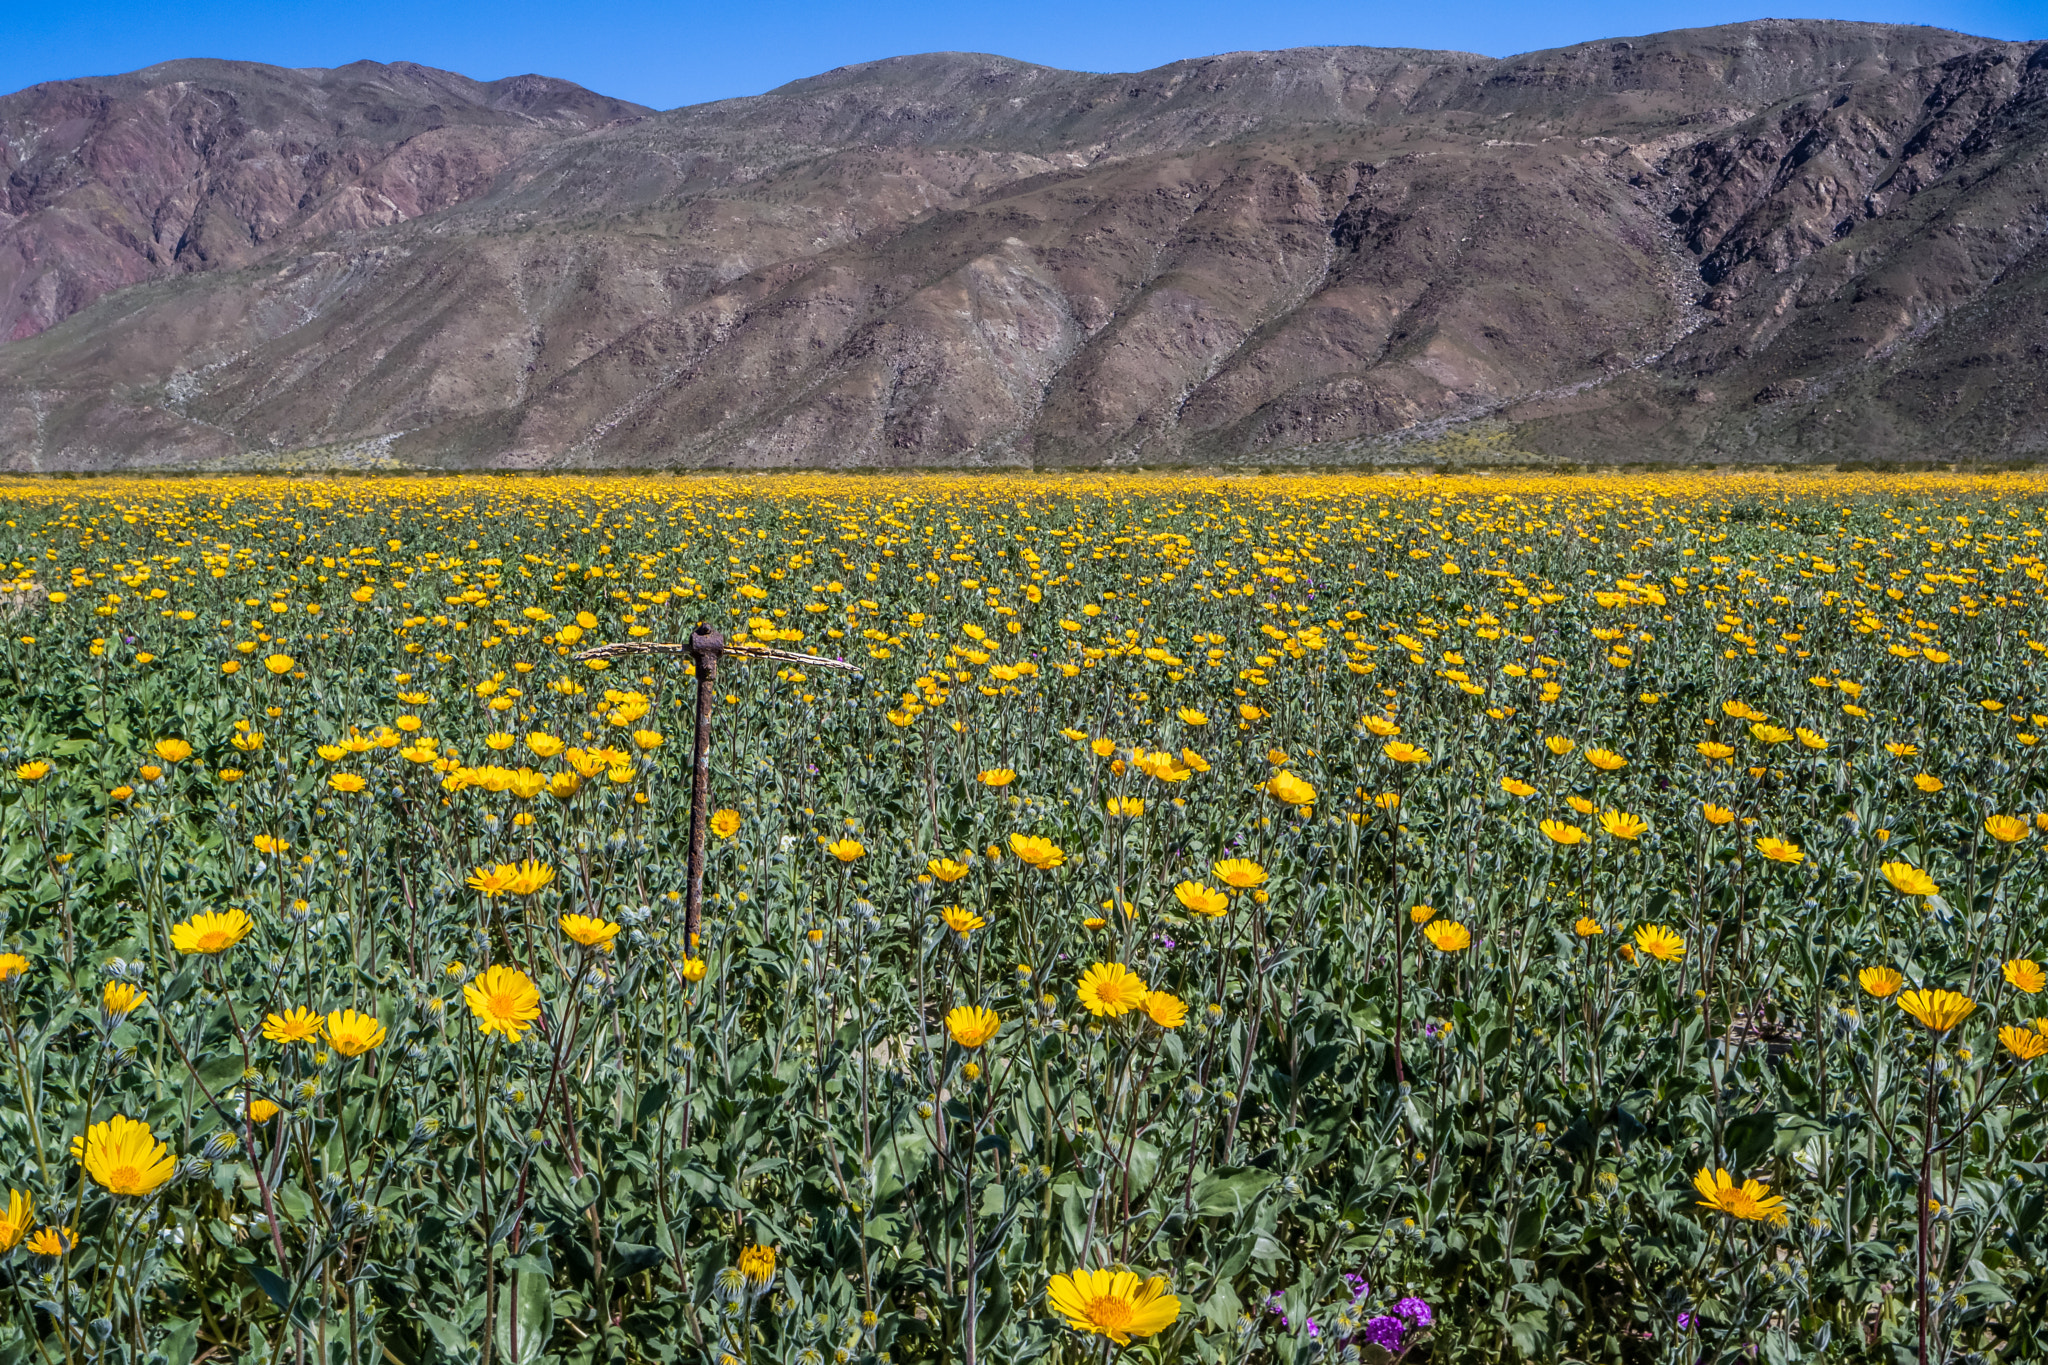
(1385, 1332)
(1356, 1283)
(1417, 1310)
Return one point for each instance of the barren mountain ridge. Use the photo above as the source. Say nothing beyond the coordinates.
(1775, 241)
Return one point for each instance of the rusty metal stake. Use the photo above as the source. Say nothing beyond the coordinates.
(705, 648)
(706, 645)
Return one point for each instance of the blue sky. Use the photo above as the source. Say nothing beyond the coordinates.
(665, 53)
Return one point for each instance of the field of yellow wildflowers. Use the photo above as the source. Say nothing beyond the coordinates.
(1249, 920)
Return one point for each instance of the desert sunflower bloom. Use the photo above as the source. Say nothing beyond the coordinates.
(118, 1000)
(1447, 936)
(693, 969)
(11, 966)
(846, 850)
(125, 1157)
(1558, 832)
(1880, 981)
(504, 1000)
(2025, 974)
(34, 771)
(2024, 1043)
(347, 783)
(1203, 900)
(1781, 850)
(725, 823)
(295, 1025)
(1716, 815)
(2007, 829)
(172, 750)
(352, 1033)
(1288, 788)
(961, 920)
(1110, 989)
(757, 1263)
(52, 1241)
(1606, 760)
(996, 777)
(1660, 942)
(14, 1222)
(589, 930)
(1115, 1304)
(1938, 1010)
(1622, 825)
(1750, 1201)
(529, 877)
(493, 881)
(1165, 1009)
(972, 1025)
(1401, 752)
(1043, 854)
(1514, 786)
(1586, 926)
(212, 932)
(946, 870)
(1240, 873)
(280, 664)
(1909, 880)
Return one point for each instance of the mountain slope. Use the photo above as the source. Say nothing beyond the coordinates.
(1778, 240)
(199, 164)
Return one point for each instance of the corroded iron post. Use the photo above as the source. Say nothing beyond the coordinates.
(706, 645)
(705, 648)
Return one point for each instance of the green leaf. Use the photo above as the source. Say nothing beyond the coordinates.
(1231, 1193)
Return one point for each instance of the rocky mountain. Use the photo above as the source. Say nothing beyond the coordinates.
(1776, 241)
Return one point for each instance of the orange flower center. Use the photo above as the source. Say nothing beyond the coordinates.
(1111, 1315)
(1122, 991)
(214, 940)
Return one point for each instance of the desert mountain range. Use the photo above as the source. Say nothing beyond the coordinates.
(1781, 241)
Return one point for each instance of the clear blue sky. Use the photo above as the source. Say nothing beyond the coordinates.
(665, 53)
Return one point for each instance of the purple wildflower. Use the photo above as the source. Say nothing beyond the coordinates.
(1385, 1332)
(1417, 1310)
(1357, 1285)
